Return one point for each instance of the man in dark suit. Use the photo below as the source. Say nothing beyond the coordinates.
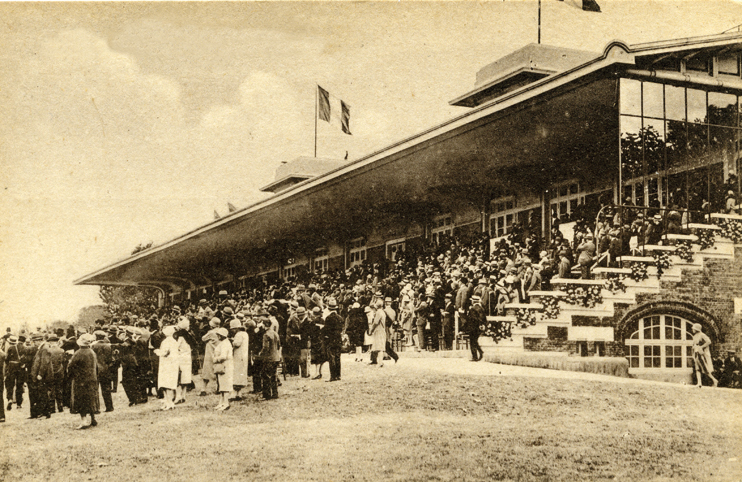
(333, 336)
(104, 354)
(270, 357)
(27, 357)
(14, 373)
(448, 314)
(731, 377)
(41, 377)
(475, 318)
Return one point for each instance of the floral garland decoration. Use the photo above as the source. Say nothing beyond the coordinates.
(498, 330)
(662, 261)
(706, 238)
(526, 317)
(587, 297)
(616, 284)
(639, 271)
(551, 307)
(684, 251)
(731, 229)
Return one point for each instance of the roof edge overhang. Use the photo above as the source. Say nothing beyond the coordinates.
(277, 184)
(616, 52)
(468, 99)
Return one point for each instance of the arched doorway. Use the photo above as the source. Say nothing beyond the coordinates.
(658, 340)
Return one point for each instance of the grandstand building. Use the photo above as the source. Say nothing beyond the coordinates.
(549, 131)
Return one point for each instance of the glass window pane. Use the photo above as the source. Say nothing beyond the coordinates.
(722, 109)
(668, 362)
(698, 64)
(656, 333)
(729, 64)
(656, 351)
(657, 362)
(630, 97)
(573, 188)
(653, 100)
(647, 350)
(675, 102)
(631, 147)
(696, 106)
(654, 145)
(635, 363)
(634, 350)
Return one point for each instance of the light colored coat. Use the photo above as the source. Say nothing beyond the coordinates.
(378, 331)
(184, 361)
(167, 373)
(223, 354)
(211, 341)
(240, 346)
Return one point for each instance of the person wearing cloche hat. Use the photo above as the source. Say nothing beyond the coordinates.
(702, 362)
(186, 344)
(210, 340)
(241, 347)
(223, 368)
(167, 372)
(82, 370)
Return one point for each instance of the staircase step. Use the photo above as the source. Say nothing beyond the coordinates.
(712, 227)
(636, 259)
(520, 306)
(735, 217)
(542, 294)
(577, 281)
(608, 271)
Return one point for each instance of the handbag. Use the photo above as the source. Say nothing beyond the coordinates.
(219, 368)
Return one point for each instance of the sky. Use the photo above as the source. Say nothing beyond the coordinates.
(129, 123)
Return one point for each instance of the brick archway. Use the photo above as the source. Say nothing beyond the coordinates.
(681, 309)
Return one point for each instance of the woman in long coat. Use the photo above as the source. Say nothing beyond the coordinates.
(702, 362)
(210, 341)
(185, 365)
(83, 372)
(167, 375)
(356, 328)
(223, 355)
(240, 345)
(377, 329)
(318, 349)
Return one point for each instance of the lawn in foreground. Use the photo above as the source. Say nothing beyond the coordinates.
(399, 423)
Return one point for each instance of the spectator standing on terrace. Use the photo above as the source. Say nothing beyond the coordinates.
(586, 256)
(447, 315)
(702, 362)
(83, 372)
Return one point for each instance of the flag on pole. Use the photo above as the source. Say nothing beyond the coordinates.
(345, 119)
(324, 104)
(586, 5)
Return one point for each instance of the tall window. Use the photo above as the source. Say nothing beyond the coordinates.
(394, 248)
(503, 216)
(442, 226)
(661, 341)
(565, 198)
(357, 251)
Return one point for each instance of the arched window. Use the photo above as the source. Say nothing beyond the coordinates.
(660, 342)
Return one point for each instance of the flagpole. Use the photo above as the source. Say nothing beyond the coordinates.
(539, 21)
(316, 101)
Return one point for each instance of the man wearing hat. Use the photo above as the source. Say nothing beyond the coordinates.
(41, 377)
(731, 376)
(447, 314)
(475, 320)
(270, 356)
(14, 374)
(255, 343)
(29, 354)
(333, 336)
(2, 385)
(292, 357)
(104, 357)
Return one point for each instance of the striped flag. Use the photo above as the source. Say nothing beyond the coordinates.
(345, 119)
(324, 104)
(586, 5)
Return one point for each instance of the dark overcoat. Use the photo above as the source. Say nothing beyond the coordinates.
(83, 371)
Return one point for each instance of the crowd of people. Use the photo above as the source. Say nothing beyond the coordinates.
(426, 299)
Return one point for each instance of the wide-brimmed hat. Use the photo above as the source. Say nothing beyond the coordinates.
(301, 311)
(184, 323)
(85, 340)
(234, 324)
(215, 322)
(332, 304)
(476, 298)
(696, 327)
(169, 330)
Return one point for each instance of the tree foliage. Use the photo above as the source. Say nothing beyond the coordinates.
(137, 300)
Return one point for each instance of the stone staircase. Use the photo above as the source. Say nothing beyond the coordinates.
(603, 330)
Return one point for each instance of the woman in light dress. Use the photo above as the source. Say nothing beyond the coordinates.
(223, 355)
(185, 366)
(167, 374)
(377, 329)
(240, 342)
(702, 356)
(210, 340)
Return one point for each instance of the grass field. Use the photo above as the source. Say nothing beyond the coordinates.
(419, 420)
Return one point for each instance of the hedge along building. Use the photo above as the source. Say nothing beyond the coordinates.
(549, 130)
